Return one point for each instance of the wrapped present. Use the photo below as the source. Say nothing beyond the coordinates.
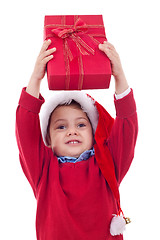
(78, 63)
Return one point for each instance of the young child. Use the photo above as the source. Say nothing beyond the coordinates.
(76, 155)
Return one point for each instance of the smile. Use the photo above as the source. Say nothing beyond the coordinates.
(73, 142)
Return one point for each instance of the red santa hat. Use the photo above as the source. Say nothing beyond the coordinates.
(102, 123)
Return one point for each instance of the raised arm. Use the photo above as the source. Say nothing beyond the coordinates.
(44, 56)
(122, 140)
(32, 151)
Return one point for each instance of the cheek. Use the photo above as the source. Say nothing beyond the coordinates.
(56, 138)
(53, 138)
(89, 137)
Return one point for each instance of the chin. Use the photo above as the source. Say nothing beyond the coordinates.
(73, 154)
(76, 154)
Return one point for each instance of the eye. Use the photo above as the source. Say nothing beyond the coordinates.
(81, 125)
(61, 127)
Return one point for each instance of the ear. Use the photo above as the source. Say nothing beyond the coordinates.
(48, 140)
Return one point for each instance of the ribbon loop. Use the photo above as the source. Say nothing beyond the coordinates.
(76, 33)
(65, 33)
(79, 26)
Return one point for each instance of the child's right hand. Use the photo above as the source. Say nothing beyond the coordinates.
(43, 58)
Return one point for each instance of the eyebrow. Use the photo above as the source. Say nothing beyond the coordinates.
(81, 118)
(63, 119)
(59, 120)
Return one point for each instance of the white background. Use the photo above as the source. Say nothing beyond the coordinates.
(133, 28)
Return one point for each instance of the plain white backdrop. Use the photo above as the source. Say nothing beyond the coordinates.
(133, 28)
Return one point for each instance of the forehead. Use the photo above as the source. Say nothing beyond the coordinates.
(68, 112)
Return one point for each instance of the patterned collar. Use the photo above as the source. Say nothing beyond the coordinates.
(84, 156)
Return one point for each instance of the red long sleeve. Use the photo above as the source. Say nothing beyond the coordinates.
(32, 151)
(122, 140)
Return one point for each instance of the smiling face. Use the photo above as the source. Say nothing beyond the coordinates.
(70, 131)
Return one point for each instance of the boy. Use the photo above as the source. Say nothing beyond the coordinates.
(76, 160)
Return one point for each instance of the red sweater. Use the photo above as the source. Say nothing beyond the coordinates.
(74, 201)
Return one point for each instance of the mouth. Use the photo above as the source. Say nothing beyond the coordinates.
(73, 142)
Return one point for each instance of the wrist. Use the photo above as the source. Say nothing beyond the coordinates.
(120, 76)
(33, 87)
(121, 83)
(35, 77)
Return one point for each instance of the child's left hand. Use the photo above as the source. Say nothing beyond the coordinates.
(112, 54)
(117, 70)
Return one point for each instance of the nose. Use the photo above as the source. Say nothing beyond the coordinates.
(72, 132)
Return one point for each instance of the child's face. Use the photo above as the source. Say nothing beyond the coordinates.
(70, 131)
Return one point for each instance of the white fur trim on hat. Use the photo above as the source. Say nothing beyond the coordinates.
(86, 102)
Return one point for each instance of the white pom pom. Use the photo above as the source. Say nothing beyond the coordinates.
(117, 226)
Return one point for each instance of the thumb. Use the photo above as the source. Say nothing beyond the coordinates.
(101, 47)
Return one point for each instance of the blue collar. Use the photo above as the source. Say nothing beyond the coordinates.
(84, 156)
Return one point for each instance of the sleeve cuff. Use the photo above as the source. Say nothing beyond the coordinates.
(29, 102)
(125, 93)
(125, 106)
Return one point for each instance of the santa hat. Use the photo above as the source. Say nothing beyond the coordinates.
(102, 124)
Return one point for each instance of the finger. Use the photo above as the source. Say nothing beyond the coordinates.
(108, 48)
(109, 45)
(102, 47)
(45, 45)
(47, 53)
(109, 52)
(47, 59)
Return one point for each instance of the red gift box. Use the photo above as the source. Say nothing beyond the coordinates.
(77, 63)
